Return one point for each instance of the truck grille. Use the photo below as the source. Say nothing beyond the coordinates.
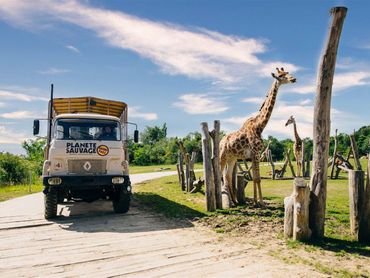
(87, 167)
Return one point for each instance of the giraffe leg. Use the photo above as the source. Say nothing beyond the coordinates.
(229, 179)
(299, 167)
(257, 182)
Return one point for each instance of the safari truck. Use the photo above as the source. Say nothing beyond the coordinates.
(86, 153)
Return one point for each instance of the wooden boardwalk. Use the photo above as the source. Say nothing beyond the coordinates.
(88, 240)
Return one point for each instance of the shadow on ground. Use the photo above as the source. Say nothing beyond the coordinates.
(99, 216)
(341, 245)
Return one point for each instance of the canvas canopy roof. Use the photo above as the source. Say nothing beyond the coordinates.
(88, 105)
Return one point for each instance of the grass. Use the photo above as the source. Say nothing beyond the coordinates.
(157, 168)
(165, 196)
(8, 192)
(12, 191)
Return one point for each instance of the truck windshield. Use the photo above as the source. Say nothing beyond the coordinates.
(87, 129)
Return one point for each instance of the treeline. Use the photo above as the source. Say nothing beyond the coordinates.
(17, 169)
(157, 148)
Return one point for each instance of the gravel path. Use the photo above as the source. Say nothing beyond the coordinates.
(89, 240)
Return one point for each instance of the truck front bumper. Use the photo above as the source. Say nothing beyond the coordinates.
(87, 182)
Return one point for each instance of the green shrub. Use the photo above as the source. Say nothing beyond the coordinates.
(14, 169)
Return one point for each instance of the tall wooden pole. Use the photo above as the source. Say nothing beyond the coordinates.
(216, 162)
(208, 170)
(321, 124)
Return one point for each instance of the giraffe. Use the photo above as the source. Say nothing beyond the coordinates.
(246, 143)
(297, 147)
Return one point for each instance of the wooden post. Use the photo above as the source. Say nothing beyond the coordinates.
(321, 124)
(208, 171)
(307, 174)
(191, 171)
(269, 159)
(248, 169)
(290, 164)
(241, 183)
(334, 154)
(288, 216)
(187, 171)
(355, 152)
(303, 166)
(178, 173)
(182, 175)
(356, 193)
(364, 230)
(283, 169)
(301, 230)
(215, 134)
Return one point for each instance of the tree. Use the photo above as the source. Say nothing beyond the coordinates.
(151, 135)
(14, 169)
(35, 152)
(277, 148)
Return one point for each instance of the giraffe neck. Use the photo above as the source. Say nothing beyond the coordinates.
(267, 107)
(297, 138)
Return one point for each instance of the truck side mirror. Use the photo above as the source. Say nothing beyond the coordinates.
(136, 136)
(36, 127)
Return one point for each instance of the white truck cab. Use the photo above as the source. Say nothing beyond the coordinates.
(86, 155)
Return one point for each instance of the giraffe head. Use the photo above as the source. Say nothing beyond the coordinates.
(290, 121)
(283, 76)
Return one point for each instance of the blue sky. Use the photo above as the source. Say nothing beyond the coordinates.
(180, 62)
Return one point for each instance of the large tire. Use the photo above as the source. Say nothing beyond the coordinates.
(51, 203)
(121, 204)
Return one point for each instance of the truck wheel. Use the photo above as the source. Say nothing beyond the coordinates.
(51, 203)
(121, 203)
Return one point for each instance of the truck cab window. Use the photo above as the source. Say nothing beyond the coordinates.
(85, 129)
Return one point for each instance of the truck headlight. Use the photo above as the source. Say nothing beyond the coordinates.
(54, 181)
(118, 180)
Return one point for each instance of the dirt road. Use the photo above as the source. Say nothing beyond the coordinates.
(90, 240)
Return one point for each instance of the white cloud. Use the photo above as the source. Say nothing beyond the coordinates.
(194, 52)
(8, 95)
(305, 89)
(347, 80)
(10, 136)
(303, 115)
(201, 104)
(342, 81)
(53, 71)
(257, 100)
(305, 101)
(135, 113)
(20, 115)
(73, 48)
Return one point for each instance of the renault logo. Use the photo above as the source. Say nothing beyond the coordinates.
(87, 166)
